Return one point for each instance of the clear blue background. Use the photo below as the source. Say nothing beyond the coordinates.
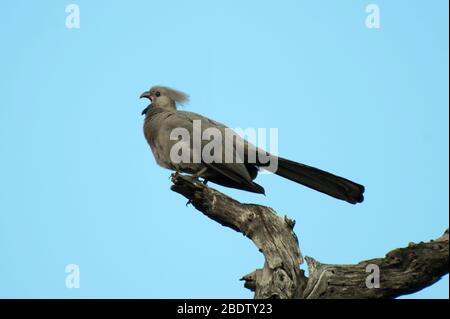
(78, 183)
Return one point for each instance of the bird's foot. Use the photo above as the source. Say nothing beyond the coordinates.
(200, 172)
(193, 178)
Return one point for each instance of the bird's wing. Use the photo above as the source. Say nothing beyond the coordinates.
(237, 172)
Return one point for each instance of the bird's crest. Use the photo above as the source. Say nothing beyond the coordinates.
(177, 96)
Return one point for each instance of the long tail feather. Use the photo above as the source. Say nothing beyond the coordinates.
(321, 181)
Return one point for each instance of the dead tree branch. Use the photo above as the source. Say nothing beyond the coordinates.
(402, 271)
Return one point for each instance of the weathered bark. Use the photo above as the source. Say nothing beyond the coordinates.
(281, 276)
(402, 271)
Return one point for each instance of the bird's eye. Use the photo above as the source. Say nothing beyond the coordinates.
(158, 94)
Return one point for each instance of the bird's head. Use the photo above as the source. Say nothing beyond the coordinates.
(163, 97)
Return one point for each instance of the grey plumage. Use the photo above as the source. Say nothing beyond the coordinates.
(162, 116)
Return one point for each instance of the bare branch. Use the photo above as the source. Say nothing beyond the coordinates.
(281, 276)
(402, 271)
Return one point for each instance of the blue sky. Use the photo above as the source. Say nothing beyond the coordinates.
(78, 181)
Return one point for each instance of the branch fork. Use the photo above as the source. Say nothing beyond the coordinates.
(402, 271)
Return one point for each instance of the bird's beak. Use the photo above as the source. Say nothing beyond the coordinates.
(146, 95)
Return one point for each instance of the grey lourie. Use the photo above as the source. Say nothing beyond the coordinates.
(162, 117)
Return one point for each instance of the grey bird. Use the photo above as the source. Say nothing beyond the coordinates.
(162, 117)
